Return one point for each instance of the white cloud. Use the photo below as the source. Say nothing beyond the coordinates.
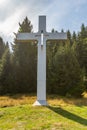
(10, 25)
(2, 2)
(60, 14)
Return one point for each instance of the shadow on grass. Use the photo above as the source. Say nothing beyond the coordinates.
(69, 115)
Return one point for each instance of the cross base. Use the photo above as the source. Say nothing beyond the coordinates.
(40, 103)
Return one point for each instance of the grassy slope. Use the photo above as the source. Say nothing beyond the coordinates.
(17, 113)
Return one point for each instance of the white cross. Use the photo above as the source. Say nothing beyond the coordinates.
(41, 36)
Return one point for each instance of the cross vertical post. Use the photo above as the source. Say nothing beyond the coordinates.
(41, 63)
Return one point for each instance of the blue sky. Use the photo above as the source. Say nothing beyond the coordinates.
(66, 14)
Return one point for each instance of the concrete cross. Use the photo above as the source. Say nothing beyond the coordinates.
(41, 36)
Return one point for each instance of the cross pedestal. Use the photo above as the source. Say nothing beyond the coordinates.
(41, 36)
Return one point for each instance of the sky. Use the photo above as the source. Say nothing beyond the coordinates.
(60, 14)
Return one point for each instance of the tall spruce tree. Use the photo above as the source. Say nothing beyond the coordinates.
(69, 37)
(74, 37)
(5, 72)
(25, 26)
(81, 47)
(24, 58)
(65, 74)
(2, 47)
(5, 68)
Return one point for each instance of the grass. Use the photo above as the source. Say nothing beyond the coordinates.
(17, 113)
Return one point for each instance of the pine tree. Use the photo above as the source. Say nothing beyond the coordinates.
(2, 47)
(66, 76)
(24, 58)
(5, 72)
(83, 33)
(81, 53)
(25, 26)
(69, 37)
(74, 37)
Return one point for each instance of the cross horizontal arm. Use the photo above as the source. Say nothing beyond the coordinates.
(26, 36)
(57, 36)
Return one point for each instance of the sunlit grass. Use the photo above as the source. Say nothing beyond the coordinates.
(17, 113)
(22, 99)
(15, 100)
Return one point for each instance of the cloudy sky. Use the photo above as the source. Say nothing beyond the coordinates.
(66, 14)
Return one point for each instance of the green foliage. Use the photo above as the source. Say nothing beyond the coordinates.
(2, 47)
(66, 64)
(83, 33)
(74, 37)
(25, 26)
(5, 72)
(4, 65)
(69, 37)
(24, 62)
(66, 76)
(81, 53)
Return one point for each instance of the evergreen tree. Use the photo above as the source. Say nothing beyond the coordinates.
(62, 30)
(5, 72)
(2, 47)
(69, 37)
(74, 37)
(65, 76)
(83, 33)
(25, 26)
(81, 48)
(81, 53)
(24, 58)
(4, 64)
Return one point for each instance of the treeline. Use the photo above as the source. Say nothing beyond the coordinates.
(66, 64)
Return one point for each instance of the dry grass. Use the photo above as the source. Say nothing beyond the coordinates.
(18, 99)
(63, 101)
(22, 99)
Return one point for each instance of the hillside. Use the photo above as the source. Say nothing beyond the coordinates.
(17, 113)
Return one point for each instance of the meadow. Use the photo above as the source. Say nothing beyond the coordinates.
(17, 113)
